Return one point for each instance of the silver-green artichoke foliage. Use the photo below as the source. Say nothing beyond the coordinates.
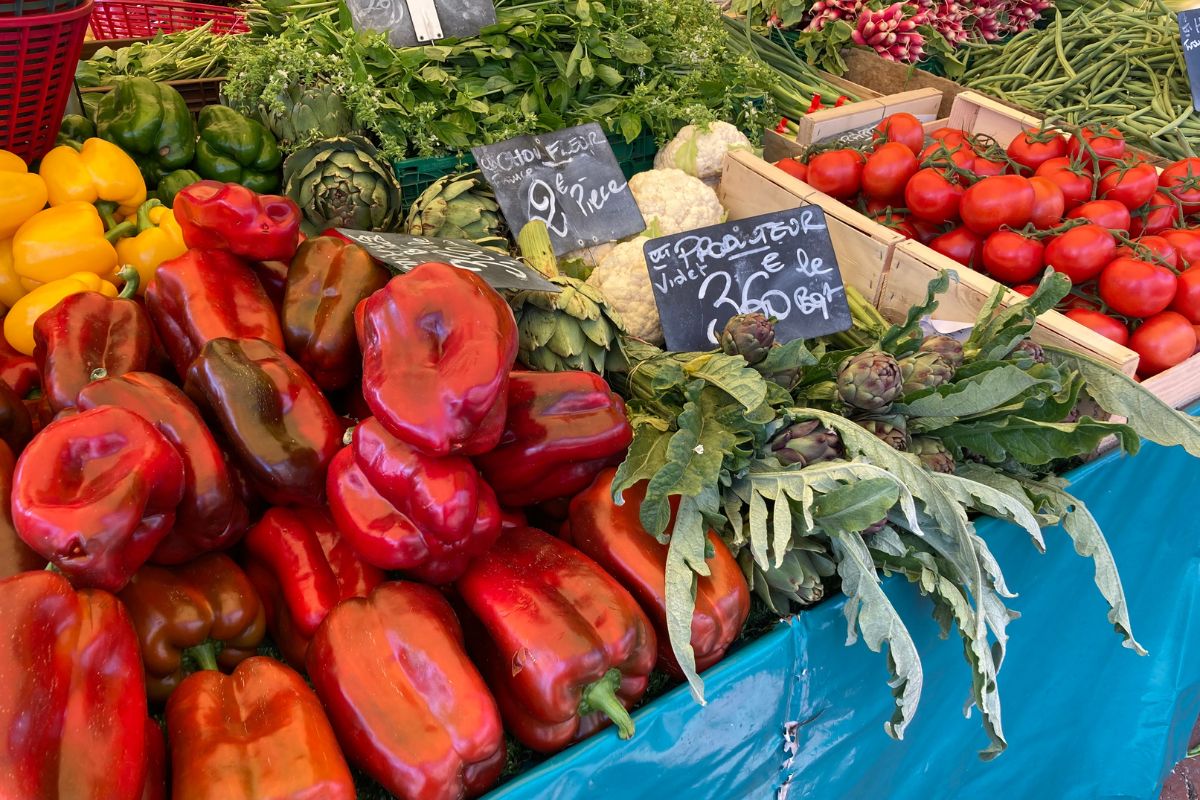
(869, 381)
(309, 114)
(933, 454)
(340, 183)
(574, 329)
(458, 207)
(923, 370)
(806, 443)
(749, 336)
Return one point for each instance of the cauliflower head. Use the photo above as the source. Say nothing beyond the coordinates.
(624, 280)
(700, 150)
(675, 201)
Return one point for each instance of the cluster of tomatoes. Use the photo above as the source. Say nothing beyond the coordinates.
(1079, 203)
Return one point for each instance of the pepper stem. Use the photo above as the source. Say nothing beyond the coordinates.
(108, 213)
(205, 655)
(602, 696)
(126, 228)
(98, 374)
(143, 214)
(132, 280)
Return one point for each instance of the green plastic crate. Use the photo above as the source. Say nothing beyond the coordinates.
(416, 174)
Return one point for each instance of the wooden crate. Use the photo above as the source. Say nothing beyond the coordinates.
(777, 146)
(750, 186)
(829, 123)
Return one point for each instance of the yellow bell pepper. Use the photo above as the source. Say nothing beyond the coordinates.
(11, 289)
(99, 173)
(22, 195)
(18, 323)
(62, 240)
(159, 239)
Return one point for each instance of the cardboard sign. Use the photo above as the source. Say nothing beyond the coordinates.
(405, 252)
(1189, 35)
(409, 23)
(569, 179)
(781, 265)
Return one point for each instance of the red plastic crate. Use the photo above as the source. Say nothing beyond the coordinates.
(37, 59)
(126, 19)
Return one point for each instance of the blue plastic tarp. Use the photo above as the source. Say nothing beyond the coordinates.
(1084, 717)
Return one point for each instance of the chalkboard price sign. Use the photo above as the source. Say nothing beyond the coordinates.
(405, 252)
(781, 265)
(1189, 34)
(412, 22)
(568, 179)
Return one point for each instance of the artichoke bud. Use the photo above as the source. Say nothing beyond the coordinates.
(1028, 350)
(749, 336)
(951, 350)
(891, 430)
(923, 370)
(806, 443)
(933, 454)
(870, 380)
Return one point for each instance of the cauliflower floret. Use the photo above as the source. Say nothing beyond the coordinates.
(700, 151)
(676, 201)
(624, 280)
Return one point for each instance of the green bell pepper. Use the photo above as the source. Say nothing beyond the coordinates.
(173, 183)
(75, 129)
(236, 149)
(151, 122)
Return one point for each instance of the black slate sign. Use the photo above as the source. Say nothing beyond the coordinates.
(405, 252)
(410, 22)
(569, 179)
(780, 264)
(1189, 35)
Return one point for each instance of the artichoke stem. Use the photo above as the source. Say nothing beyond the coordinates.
(534, 244)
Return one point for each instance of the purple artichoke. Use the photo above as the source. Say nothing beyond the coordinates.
(923, 370)
(870, 380)
(806, 443)
(951, 350)
(749, 336)
(933, 454)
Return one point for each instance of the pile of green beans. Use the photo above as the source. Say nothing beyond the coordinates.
(1111, 62)
(795, 84)
(196, 53)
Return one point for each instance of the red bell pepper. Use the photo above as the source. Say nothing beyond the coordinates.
(409, 706)
(88, 334)
(205, 295)
(273, 277)
(402, 509)
(328, 278)
(72, 703)
(16, 425)
(562, 429)
(95, 493)
(18, 370)
(277, 422)
(437, 345)
(302, 567)
(226, 216)
(613, 536)
(15, 555)
(563, 647)
(256, 734)
(187, 611)
(211, 515)
(155, 787)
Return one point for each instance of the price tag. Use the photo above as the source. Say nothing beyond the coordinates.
(404, 252)
(569, 179)
(409, 23)
(781, 265)
(1189, 35)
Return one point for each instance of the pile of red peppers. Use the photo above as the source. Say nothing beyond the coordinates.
(281, 443)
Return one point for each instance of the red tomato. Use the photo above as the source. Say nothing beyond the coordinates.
(1032, 148)
(1108, 146)
(903, 128)
(1105, 213)
(1161, 213)
(1011, 258)
(929, 196)
(1130, 184)
(997, 201)
(837, 173)
(1075, 181)
(985, 167)
(1103, 324)
(1135, 288)
(1075, 301)
(1182, 179)
(1081, 253)
(1186, 244)
(1026, 289)
(1158, 246)
(797, 169)
(926, 231)
(951, 136)
(1048, 203)
(898, 222)
(1187, 295)
(959, 244)
(1163, 341)
(888, 170)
